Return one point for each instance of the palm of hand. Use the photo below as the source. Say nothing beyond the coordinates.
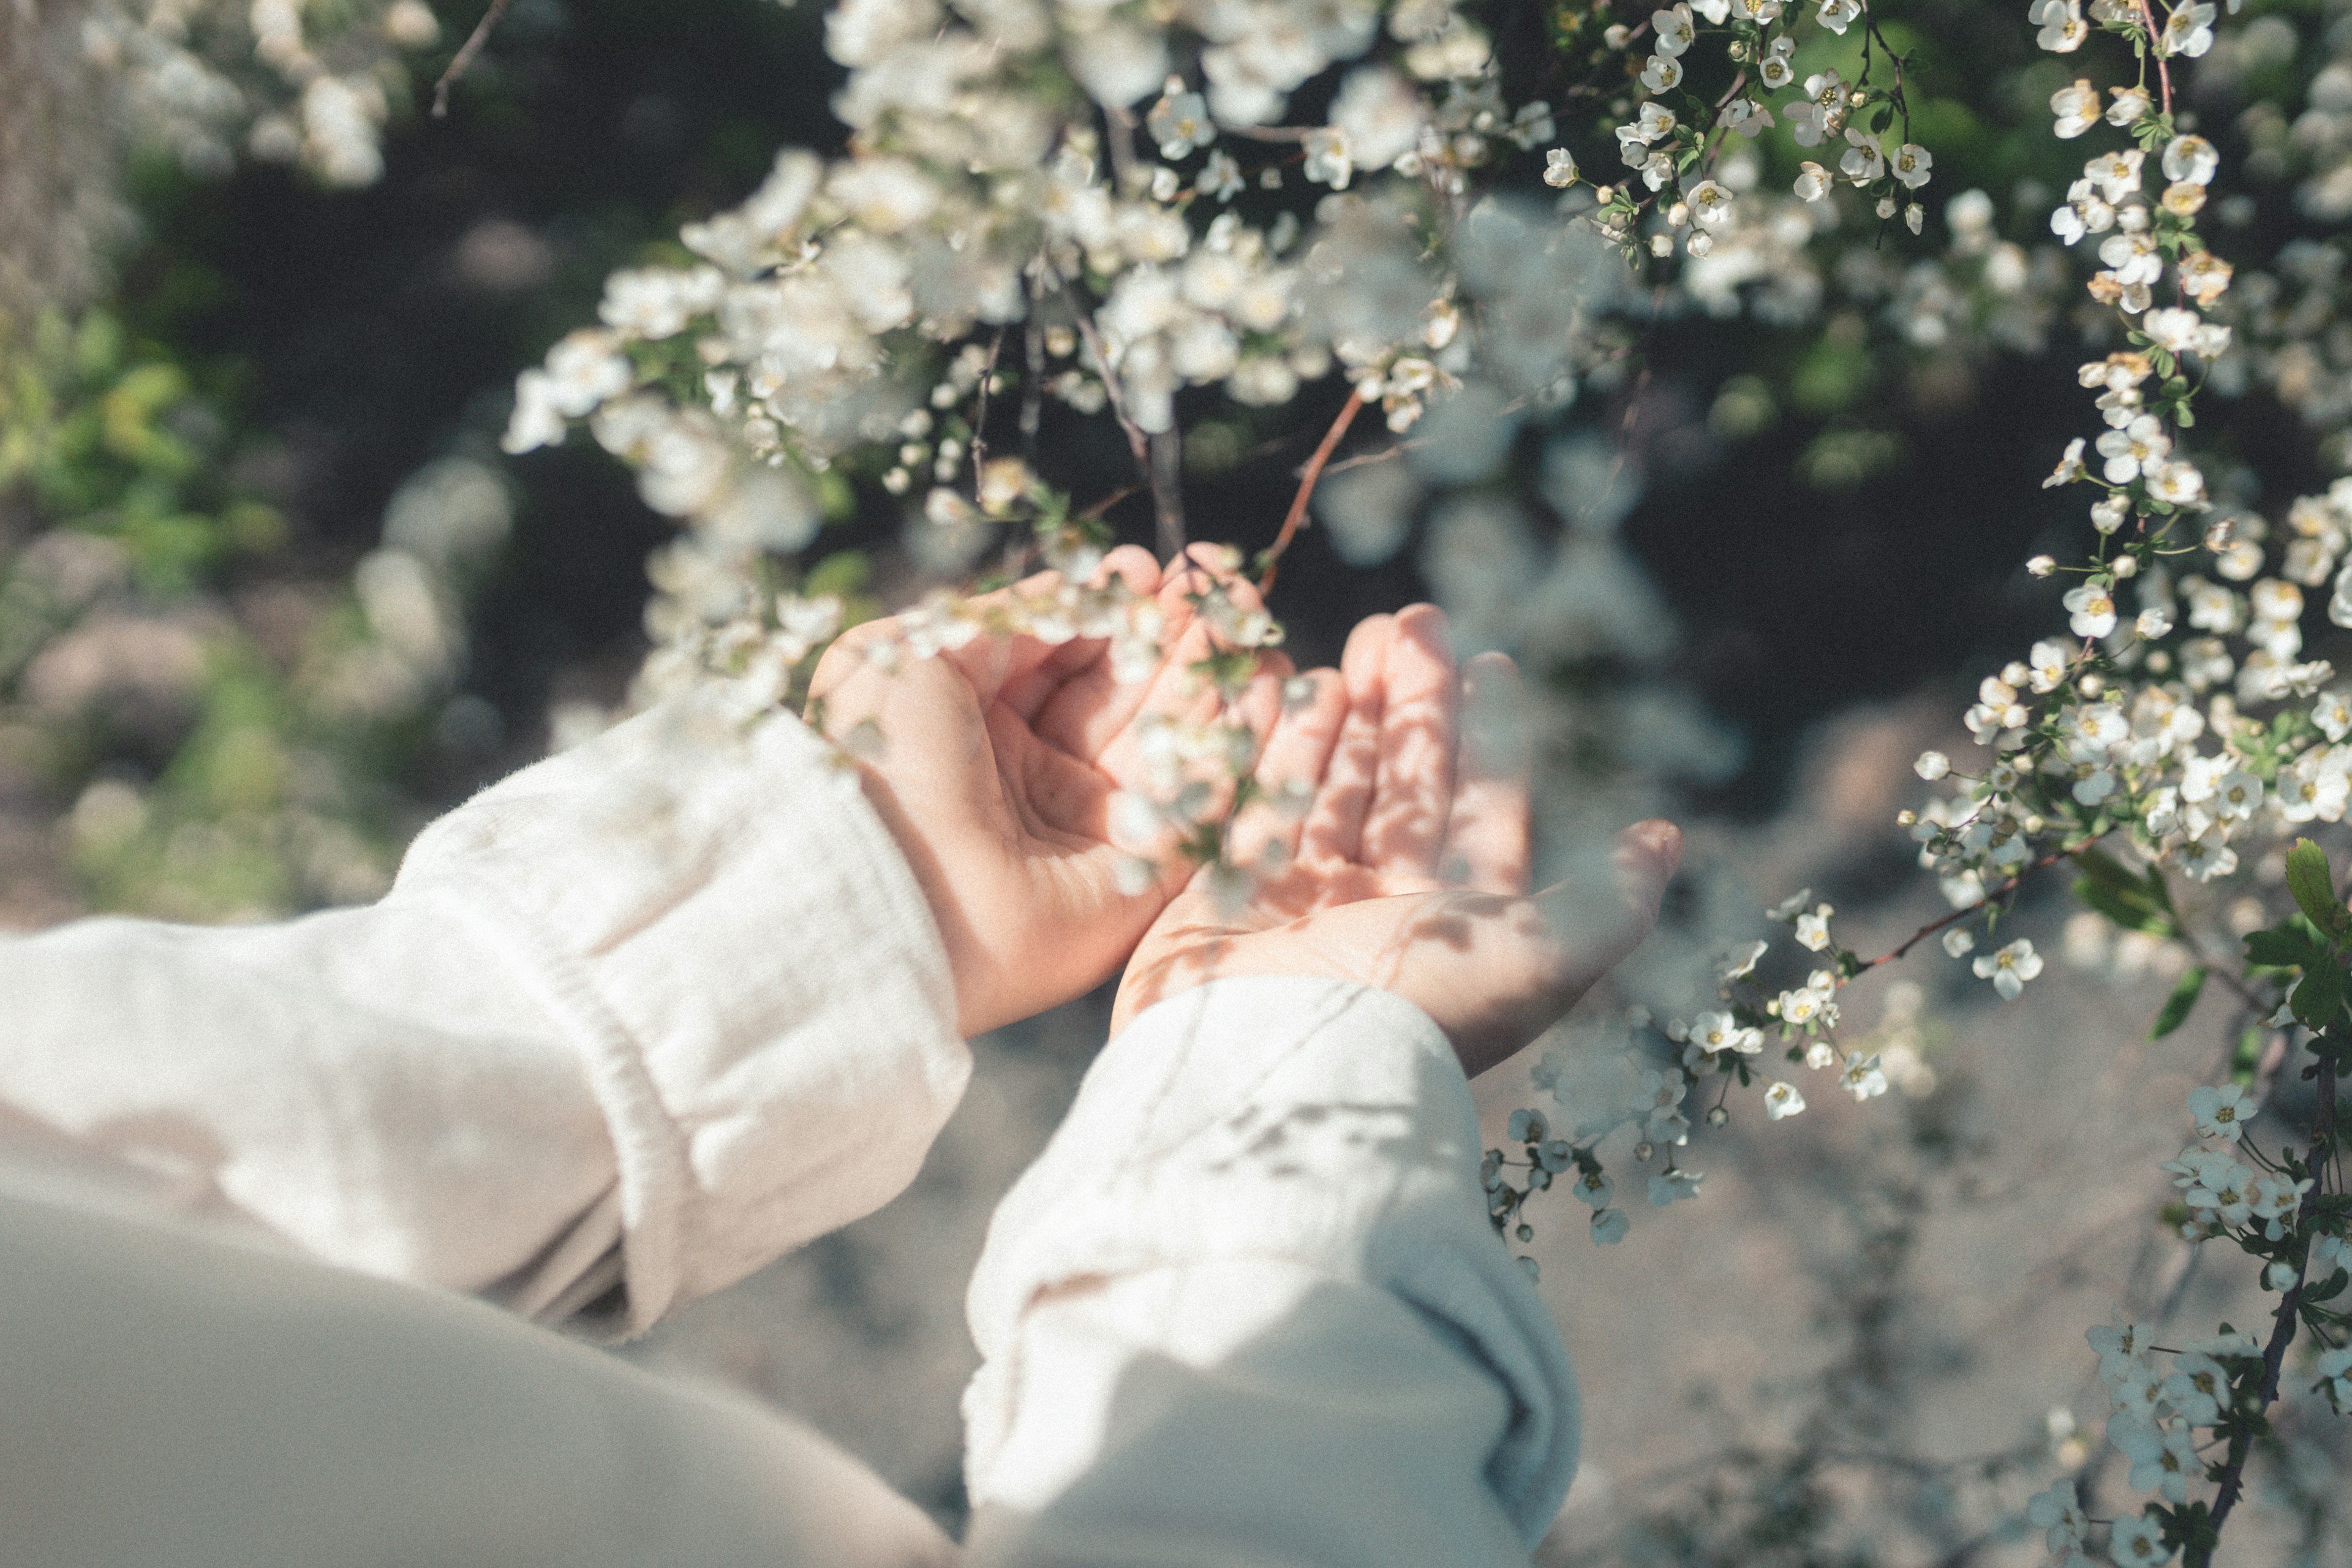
(1408, 868)
(994, 765)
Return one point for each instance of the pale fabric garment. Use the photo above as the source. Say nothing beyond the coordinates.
(628, 1026)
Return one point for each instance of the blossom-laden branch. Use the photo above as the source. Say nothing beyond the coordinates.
(1295, 518)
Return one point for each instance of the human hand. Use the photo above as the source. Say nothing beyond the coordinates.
(1408, 868)
(993, 766)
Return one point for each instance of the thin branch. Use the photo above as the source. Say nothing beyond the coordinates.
(2200, 1554)
(1306, 479)
(1168, 490)
(1932, 927)
(980, 412)
(1136, 441)
(464, 59)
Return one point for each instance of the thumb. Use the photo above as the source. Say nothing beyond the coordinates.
(1564, 940)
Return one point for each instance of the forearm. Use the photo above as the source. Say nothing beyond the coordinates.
(650, 1013)
(1247, 1307)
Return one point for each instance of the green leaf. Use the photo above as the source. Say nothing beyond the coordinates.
(2130, 901)
(2177, 1006)
(2313, 887)
(2328, 1291)
(2283, 948)
(2320, 997)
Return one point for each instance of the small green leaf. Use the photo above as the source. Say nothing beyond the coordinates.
(2123, 899)
(2320, 997)
(2313, 887)
(2283, 948)
(2330, 1290)
(2177, 1007)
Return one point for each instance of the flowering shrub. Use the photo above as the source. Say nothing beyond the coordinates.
(1167, 220)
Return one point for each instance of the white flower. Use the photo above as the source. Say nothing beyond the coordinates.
(2199, 1389)
(2188, 31)
(2128, 106)
(2010, 968)
(1782, 1100)
(1673, 1186)
(1592, 1188)
(1813, 182)
(2109, 513)
(2070, 467)
(2207, 858)
(1180, 122)
(1743, 960)
(2138, 1541)
(2220, 1112)
(1863, 1078)
(1710, 204)
(1713, 1032)
(1663, 74)
(2163, 1459)
(1747, 117)
(2057, 1512)
(1959, 941)
(1672, 29)
(1813, 928)
(2151, 624)
(1221, 177)
(1912, 163)
(1932, 766)
(2077, 108)
(1864, 161)
(1559, 168)
(2335, 1368)
(1837, 16)
(1610, 1226)
(2091, 609)
(2062, 27)
(2136, 446)
(2190, 158)
(2333, 714)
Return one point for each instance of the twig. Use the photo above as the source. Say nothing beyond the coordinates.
(1307, 478)
(1932, 927)
(2155, 47)
(1033, 389)
(980, 412)
(1109, 501)
(464, 59)
(1168, 490)
(1136, 441)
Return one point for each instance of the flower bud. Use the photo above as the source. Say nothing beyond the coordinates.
(2041, 565)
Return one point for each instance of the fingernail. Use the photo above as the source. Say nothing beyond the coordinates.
(1660, 840)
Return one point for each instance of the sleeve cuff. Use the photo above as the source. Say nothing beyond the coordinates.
(1309, 1122)
(735, 946)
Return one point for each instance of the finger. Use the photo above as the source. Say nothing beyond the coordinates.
(1291, 765)
(1412, 789)
(1063, 696)
(1523, 963)
(1486, 838)
(1176, 691)
(1334, 830)
(1024, 670)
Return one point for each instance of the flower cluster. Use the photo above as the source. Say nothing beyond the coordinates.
(301, 84)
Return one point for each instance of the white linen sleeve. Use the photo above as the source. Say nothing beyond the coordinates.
(645, 1015)
(1247, 1307)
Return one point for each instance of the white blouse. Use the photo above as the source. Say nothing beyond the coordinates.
(629, 1024)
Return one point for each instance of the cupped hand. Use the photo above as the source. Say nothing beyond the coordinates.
(994, 767)
(1407, 867)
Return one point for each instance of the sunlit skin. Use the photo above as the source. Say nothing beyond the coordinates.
(1409, 867)
(994, 765)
